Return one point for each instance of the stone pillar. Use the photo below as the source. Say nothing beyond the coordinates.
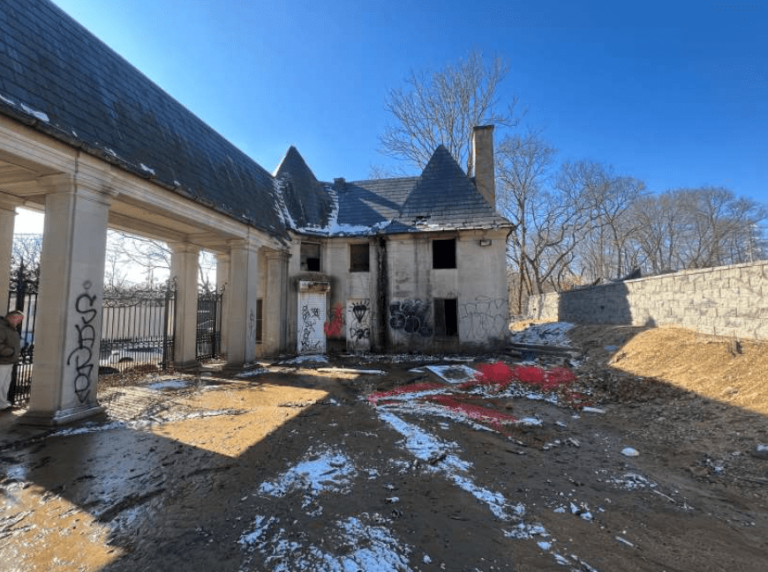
(276, 302)
(222, 281)
(184, 269)
(241, 309)
(68, 328)
(7, 214)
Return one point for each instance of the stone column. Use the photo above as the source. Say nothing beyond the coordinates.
(184, 269)
(241, 309)
(68, 328)
(276, 302)
(7, 214)
(222, 281)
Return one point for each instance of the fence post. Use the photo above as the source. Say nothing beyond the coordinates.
(166, 320)
(21, 291)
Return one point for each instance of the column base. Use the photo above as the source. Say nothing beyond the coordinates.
(188, 367)
(61, 417)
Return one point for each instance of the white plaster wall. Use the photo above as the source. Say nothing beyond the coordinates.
(483, 300)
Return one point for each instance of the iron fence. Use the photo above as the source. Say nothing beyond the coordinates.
(22, 295)
(209, 313)
(137, 328)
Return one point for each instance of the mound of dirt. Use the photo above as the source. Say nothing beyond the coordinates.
(727, 370)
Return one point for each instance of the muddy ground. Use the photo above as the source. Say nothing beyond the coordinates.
(308, 467)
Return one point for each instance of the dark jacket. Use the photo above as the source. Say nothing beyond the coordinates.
(10, 344)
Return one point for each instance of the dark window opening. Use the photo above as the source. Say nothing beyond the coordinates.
(446, 317)
(310, 257)
(359, 260)
(259, 320)
(444, 253)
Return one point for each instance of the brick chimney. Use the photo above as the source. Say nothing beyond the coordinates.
(482, 162)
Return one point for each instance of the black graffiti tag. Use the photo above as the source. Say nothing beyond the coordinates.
(86, 339)
(411, 316)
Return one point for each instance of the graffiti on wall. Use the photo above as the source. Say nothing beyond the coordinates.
(411, 317)
(310, 317)
(483, 319)
(82, 356)
(359, 324)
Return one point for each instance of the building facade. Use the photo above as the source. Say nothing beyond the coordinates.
(413, 264)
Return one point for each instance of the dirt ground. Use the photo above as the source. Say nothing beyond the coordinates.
(375, 463)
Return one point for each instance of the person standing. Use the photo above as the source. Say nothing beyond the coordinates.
(10, 348)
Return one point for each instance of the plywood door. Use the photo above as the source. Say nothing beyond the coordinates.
(312, 313)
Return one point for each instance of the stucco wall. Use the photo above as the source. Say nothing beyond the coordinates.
(727, 301)
(478, 283)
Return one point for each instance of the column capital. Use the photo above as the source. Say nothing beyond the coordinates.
(273, 254)
(96, 189)
(250, 244)
(9, 202)
(183, 247)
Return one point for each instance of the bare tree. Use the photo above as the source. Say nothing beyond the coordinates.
(146, 257)
(604, 250)
(523, 168)
(442, 107)
(26, 250)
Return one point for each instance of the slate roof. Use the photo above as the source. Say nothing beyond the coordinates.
(441, 198)
(60, 79)
(307, 202)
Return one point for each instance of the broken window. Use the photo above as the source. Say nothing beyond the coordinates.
(446, 317)
(259, 320)
(359, 260)
(444, 253)
(310, 257)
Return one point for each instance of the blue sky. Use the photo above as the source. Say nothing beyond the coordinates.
(673, 93)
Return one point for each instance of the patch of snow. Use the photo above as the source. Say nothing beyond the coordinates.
(630, 452)
(427, 559)
(427, 448)
(416, 370)
(316, 358)
(632, 481)
(351, 370)
(553, 334)
(453, 373)
(530, 421)
(625, 541)
(170, 384)
(89, 428)
(523, 531)
(326, 471)
(361, 547)
(592, 410)
(561, 560)
(35, 113)
(545, 546)
(146, 169)
(252, 372)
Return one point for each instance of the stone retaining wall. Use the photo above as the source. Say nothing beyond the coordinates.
(725, 301)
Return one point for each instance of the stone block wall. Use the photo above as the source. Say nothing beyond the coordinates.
(725, 301)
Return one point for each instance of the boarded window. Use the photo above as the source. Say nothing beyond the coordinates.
(359, 260)
(259, 320)
(444, 253)
(446, 317)
(310, 257)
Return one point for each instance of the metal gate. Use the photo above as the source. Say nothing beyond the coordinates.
(137, 328)
(208, 336)
(22, 295)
